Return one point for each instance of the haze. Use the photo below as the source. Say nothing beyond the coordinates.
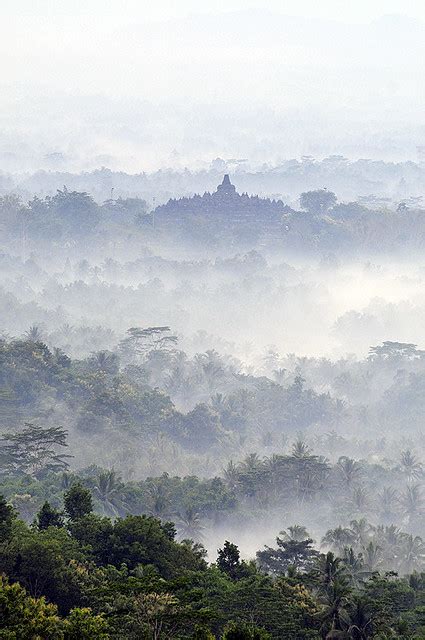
(136, 88)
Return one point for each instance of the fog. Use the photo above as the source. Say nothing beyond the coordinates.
(212, 278)
(136, 88)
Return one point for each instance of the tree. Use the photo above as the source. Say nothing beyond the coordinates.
(77, 502)
(76, 212)
(26, 618)
(23, 617)
(395, 351)
(339, 538)
(34, 450)
(105, 362)
(7, 516)
(349, 470)
(244, 631)
(142, 342)
(295, 532)
(157, 612)
(410, 465)
(34, 334)
(318, 202)
(82, 624)
(228, 560)
(108, 490)
(190, 524)
(49, 517)
(298, 554)
(411, 500)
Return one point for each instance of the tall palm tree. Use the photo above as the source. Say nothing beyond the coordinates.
(335, 617)
(355, 568)
(327, 569)
(159, 502)
(372, 554)
(108, 490)
(388, 504)
(251, 463)
(231, 475)
(361, 530)
(410, 466)
(411, 501)
(295, 532)
(300, 449)
(360, 499)
(339, 538)
(412, 554)
(34, 334)
(190, 525)
(361, 620)
(349, 471)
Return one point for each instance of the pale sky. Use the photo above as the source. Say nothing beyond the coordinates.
(177, 72)
(123, 10)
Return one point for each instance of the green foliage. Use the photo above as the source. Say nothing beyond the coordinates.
(81, 624)
(49, 517)
(243, 631)
(6, 519)
(228, 561)
(33, 450)
(78, 502)
(25, 618)
(298, 554)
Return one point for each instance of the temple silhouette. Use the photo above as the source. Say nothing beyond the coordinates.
(225, 207)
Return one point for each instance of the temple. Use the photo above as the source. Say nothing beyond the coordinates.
(224, 207)
(226, 188)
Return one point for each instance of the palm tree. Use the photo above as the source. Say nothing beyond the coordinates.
(190, 525)
(333, 592)
(412, 502)
(410, 466)
(372, 555)
(361, 619)
(390, 534)
(327, 569)
(361, 530)
(412, 553)
(349, 470)
(300, 449)
(251, 464)
(105, 362)
(231, 475)
(67, 480)
(388, 503)
(335, 618)
(360, 499)
(159, 502)
(34, 334)
(355, 568)
(338, 539)
(108, 490)
(295, 532)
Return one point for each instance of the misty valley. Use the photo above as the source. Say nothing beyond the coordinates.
(211, 414)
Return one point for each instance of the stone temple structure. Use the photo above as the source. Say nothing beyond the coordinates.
(225, 207)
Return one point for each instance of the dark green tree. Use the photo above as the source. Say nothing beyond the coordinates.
(244, 631)
(77, 502)
(7, 515)
(49, 517)
(228, 560)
